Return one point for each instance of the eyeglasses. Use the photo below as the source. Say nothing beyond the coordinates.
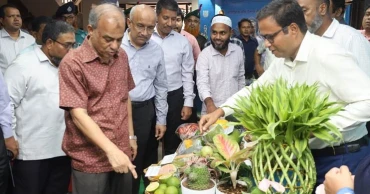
(142, 28)
(271, 37)
(66, 45)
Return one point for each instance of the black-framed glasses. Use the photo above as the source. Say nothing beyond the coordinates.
(66, 45)
(142, 28)
(271, 37)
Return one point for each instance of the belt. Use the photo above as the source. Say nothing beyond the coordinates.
(345, 148)
(142, 103)
(173, 92)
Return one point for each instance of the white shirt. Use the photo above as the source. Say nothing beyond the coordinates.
(9, 48)
(179, 63)
(351, 40)
(336, 71)
(33, 86)
(219, 76)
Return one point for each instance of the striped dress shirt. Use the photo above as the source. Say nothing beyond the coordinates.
(178, 57)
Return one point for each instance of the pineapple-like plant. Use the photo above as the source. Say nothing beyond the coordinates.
(198, 177)
(283, 118)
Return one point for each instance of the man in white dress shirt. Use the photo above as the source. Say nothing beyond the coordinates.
(309, 59)
(12, 39)
(179, 63)
(319, 22)
(41, 166)
(220, 67)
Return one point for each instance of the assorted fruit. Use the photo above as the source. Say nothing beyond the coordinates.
(166, 184)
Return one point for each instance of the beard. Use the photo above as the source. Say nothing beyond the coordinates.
(56, 61)
(316, 24)
(222, 46)
(193, 31)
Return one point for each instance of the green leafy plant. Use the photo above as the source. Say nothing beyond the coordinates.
(228, 157)
(283, 118)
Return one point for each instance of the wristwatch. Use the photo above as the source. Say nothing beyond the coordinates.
(133, 137)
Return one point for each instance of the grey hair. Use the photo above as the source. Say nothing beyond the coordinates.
(133, 9)
(98, 11)
(54, 29)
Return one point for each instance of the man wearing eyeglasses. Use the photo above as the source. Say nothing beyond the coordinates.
(41, 166)
(192, 25)
(68, 13)
(149, 97)
(309, 59)
(12, 39)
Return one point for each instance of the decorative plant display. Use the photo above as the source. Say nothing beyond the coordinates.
(283, 118)
(198, 178)
(229, 157)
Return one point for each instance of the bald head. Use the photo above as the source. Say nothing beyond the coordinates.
(142, 9)
(108, 11)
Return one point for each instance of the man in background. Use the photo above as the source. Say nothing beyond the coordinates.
(37, 27)
(366, 24)
(68, 13)
(12, 39)
(337, 9)
(192, 25)
(179, 63)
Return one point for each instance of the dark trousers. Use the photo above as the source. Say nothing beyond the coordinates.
(175, 100)
(101, 183)
(324, 164)
(48, 176)
(4, 165)
(143, 115)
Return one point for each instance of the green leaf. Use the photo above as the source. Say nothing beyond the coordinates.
(225, 146)
(300, 145)
(323, 135)
(224, 169)
(271, 129)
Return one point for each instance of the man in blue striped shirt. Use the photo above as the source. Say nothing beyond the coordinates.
(149, 97)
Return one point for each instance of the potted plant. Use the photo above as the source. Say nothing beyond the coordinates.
(283, 118)
(198, 180)
(227, 158)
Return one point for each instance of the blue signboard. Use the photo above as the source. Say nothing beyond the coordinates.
(235, 9)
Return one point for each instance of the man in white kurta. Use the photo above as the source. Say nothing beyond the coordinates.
(220, 67)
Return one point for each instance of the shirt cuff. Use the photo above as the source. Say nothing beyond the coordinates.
(188, 102)
(161, 121)
(346, 190)
(205, 95)
(228, 111)
(7, 131)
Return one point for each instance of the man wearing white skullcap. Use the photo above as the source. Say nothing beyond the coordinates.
(220, 67)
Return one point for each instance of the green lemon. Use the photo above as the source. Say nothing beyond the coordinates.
(174, 181)
(162, 186)
(163, 179)
(171, 190)
(159, 191)
(152, 187)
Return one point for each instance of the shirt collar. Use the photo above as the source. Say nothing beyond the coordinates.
(41, 55)
(127, 42)
(230, 48)
(88, 51)
(4, 33)
(329, 33)
(156, 32)
(303, 51)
